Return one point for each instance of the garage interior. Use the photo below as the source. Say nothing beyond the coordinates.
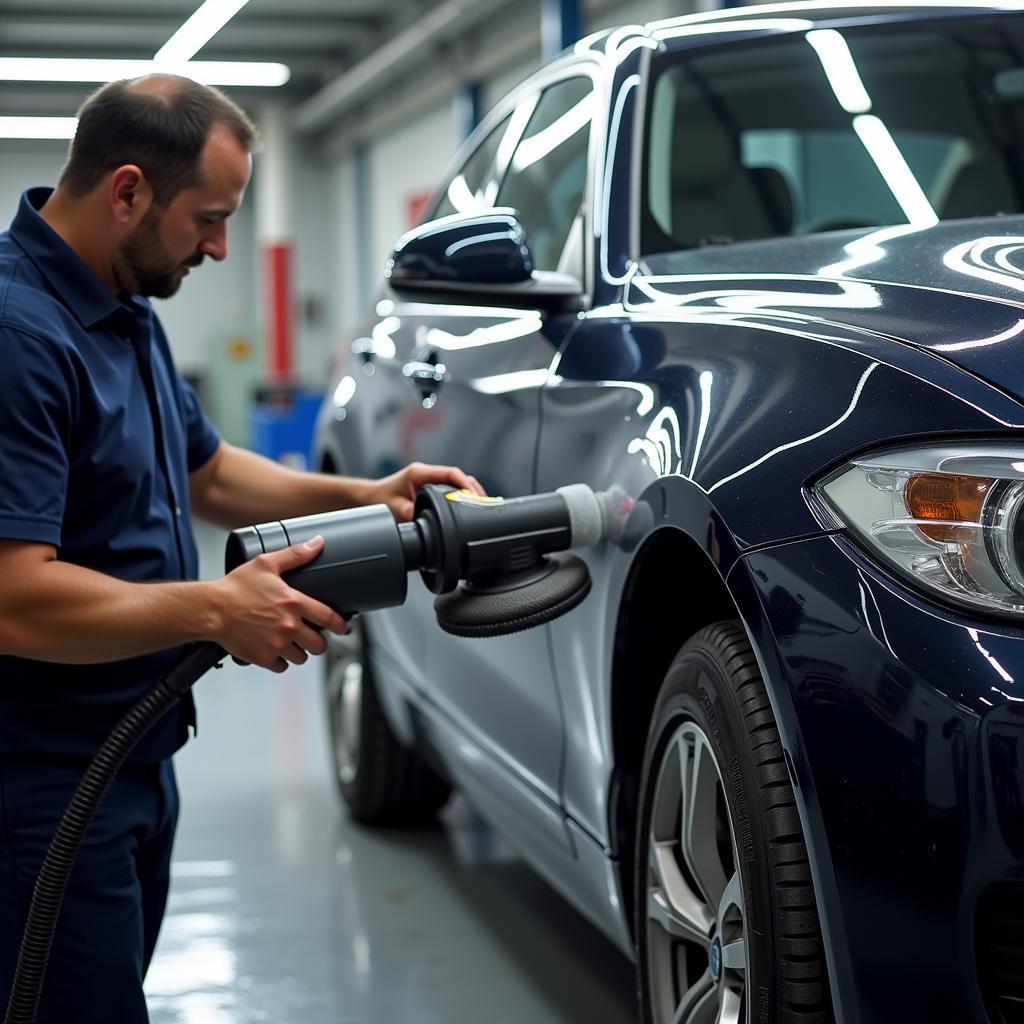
(281, 909)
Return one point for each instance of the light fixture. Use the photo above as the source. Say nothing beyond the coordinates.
(88, 69)
(37, 127)
(209, 18)
(174, 57)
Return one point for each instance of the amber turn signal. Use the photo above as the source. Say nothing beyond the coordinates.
(951, 499)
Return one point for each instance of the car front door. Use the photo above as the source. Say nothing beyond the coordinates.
(469, 394)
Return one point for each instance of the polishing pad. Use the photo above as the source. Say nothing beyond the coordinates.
(465, 612)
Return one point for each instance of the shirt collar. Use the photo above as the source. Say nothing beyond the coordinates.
(74, 283)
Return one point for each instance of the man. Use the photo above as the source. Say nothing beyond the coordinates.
(104, 454)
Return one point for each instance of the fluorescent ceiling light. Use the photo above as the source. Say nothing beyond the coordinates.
(81, 69)
(893, 167)
(37, 127)
(204, 24)
(841, 70)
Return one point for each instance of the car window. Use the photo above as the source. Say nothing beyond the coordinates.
(869, 127)
(466, 192)
(546, 177)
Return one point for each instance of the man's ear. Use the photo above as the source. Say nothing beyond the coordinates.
(130, 195)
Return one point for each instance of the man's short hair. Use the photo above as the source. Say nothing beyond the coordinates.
(160, 123)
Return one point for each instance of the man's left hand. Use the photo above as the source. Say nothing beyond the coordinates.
(398, 491)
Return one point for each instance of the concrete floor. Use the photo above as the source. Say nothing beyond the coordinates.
(283, 911)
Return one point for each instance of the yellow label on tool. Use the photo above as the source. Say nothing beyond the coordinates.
(467, 497)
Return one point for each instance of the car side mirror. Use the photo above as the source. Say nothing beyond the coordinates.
(477, 256)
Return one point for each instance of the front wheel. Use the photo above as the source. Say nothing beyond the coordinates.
(726, 922)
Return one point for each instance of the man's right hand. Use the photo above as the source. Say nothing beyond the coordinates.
(266, 622)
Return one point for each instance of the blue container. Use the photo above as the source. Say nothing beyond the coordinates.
(283, 429)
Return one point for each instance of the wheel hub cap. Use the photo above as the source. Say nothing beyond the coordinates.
(716, 960)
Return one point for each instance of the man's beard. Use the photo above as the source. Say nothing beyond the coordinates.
(155, 273)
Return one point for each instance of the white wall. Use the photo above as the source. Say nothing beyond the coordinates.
(346, 247)
(217, 298)
(315, 204)
(22, 165)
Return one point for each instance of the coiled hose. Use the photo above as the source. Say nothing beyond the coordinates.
(48, 894)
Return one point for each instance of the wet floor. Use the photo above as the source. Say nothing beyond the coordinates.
(283, 911)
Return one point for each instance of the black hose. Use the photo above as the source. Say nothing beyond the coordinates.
(63, 851)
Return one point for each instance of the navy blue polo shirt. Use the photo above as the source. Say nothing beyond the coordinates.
(98, 433)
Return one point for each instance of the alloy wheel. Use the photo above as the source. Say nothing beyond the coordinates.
(695, 915)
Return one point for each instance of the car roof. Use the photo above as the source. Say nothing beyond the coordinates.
(707, 28)
(711, 27)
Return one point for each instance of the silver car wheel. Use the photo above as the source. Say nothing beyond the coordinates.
(695, 917)
(345, 699)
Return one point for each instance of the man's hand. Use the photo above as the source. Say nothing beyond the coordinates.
(398, 491)
(266, 622)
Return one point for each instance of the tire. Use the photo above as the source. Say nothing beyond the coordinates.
(380, 781)
(722, 938)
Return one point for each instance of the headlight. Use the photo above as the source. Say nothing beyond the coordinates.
(948, 517)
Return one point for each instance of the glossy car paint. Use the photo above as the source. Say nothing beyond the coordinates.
(714, 385)
(492, 249)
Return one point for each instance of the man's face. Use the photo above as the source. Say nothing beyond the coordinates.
(169, 240)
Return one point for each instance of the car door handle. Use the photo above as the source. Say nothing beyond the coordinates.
(428, 377)
(363, 347)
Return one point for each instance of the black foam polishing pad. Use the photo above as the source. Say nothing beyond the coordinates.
(498, 612)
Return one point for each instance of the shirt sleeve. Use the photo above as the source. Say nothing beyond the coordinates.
(203, 438)
(36, 413)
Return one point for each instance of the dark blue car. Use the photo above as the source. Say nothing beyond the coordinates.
(763, 270)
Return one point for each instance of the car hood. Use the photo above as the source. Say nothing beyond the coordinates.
(955, 289)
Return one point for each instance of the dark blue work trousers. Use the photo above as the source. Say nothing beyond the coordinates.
(115, 901)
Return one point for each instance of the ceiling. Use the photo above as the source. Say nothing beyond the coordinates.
(317, 39)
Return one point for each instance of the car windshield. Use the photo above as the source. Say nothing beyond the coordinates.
(830, 130)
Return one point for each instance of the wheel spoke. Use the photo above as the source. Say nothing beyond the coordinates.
(700, 803)
(730, 906)
(345, 646)
(729, 1007)
(734, 956)
(671, 903)
(699, 1004)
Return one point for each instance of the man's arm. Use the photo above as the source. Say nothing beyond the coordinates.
(55, 611)
(52, 610)
(235, 487)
